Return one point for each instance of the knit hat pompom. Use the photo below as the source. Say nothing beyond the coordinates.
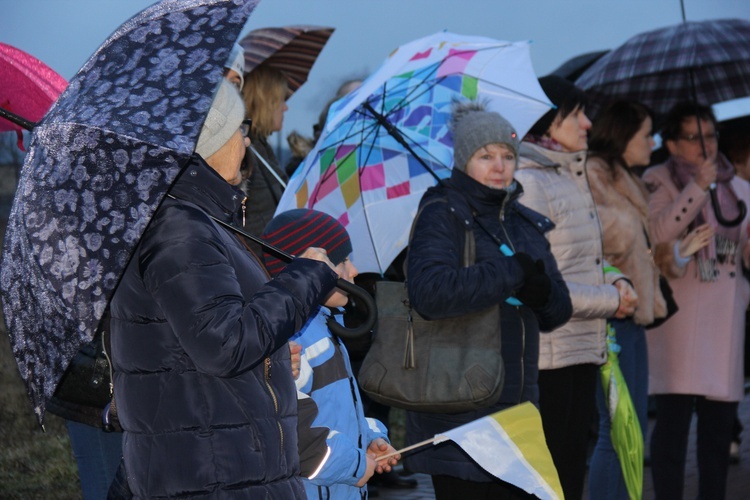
(474, 127)
(296, 230)
(223, 120)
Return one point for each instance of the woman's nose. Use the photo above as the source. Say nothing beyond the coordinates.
(585, 122)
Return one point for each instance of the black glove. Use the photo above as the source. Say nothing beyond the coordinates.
(535, 291)
(536, 287)
(528, 266)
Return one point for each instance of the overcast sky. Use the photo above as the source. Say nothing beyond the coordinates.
(64, 33)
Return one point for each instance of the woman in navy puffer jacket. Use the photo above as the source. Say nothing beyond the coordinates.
(203, 380)
(481, 197)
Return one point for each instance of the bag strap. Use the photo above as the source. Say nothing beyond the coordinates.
(469, 240)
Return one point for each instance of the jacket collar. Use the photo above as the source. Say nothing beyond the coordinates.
(202, 185)
(480, 198)
(534, 156)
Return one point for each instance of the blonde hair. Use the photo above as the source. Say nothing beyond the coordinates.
(264, 90)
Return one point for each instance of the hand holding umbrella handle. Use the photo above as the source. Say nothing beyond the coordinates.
(350, 288)
(717, 209)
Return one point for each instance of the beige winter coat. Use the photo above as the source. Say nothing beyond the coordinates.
(555, 185)
(622, 204)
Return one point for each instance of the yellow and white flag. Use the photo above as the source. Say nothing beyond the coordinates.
(510, 445)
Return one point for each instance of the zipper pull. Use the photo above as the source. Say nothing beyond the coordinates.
(267, 368)
(244, 211)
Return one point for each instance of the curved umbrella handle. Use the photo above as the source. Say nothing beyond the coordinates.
(717, 210)
(372, 312)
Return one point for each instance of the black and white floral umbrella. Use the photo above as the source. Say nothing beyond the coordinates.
(99, 164)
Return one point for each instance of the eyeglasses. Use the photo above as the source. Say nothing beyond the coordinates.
(245, 127)
(695, 138)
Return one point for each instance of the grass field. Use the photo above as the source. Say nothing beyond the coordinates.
(33, 463)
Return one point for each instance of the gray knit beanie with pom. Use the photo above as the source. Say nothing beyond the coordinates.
(474, 127)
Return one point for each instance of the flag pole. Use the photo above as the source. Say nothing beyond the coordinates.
(408, 448)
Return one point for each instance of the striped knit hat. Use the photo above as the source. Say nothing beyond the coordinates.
(296, 230)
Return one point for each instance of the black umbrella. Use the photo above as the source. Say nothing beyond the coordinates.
(706, 62)
(99, 164)
(575, 66)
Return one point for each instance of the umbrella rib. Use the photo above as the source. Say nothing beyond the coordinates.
(360, 171)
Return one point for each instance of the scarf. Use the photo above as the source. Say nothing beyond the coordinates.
(543, 141)
(724, 246)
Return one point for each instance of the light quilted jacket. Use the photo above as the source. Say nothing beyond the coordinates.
(556, 185)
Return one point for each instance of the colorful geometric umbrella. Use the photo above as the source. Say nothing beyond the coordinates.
(100, 163)
(28, 87)
(627, 438)
(385, 143)
(655, 67)
(289, 49)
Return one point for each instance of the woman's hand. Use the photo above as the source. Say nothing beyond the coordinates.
(628, 299)
(706, 174)
(318, 254)
(695, 240)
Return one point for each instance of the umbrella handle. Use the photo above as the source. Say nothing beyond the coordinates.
(717, 210)
(367, 325)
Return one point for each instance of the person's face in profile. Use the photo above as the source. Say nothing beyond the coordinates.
(571, 132)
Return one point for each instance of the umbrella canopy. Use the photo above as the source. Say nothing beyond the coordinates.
(289, 49)
(656, 68)
(99, 164)
(575, 66)
(388, 141)
(28, 87)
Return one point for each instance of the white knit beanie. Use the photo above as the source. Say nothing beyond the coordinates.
(236, 62)
(223, 120)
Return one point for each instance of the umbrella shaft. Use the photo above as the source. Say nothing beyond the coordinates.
(396, 134)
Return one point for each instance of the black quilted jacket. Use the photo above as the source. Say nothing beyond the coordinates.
(202, 376)
(440, 287)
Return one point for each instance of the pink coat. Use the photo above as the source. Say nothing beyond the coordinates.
(700, 349)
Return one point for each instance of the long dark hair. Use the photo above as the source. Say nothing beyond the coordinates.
(613, 129)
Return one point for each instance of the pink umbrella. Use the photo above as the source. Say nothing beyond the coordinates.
(28, 87)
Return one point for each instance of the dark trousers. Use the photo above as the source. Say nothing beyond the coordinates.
(567, 402)
(669, 442)
(452, 488)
